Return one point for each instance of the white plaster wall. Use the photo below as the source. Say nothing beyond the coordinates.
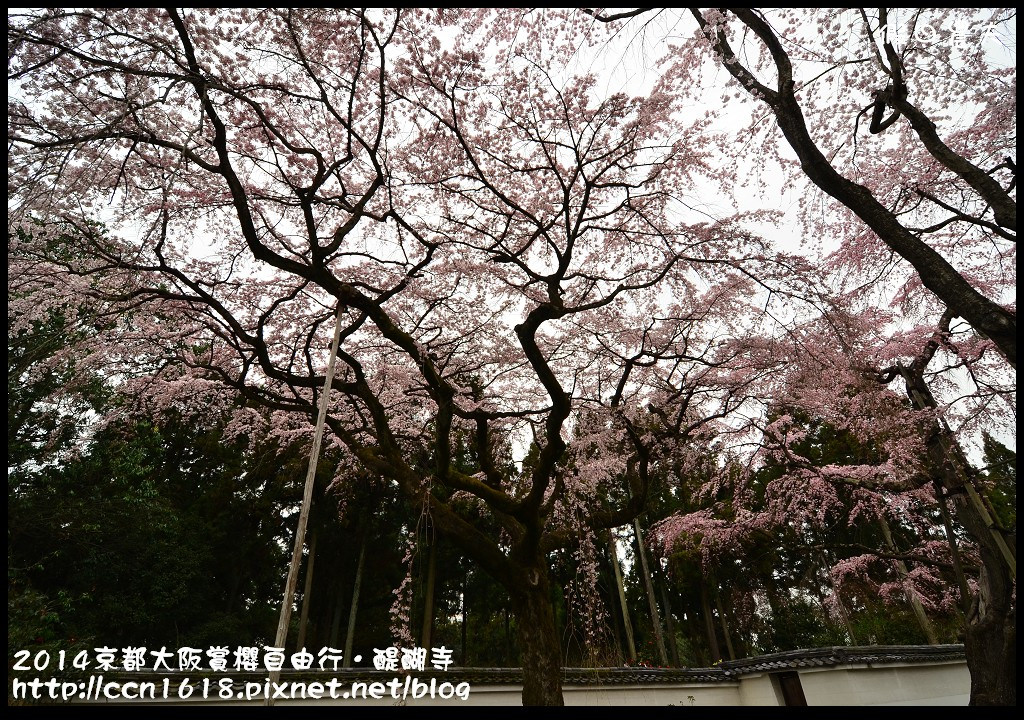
(718, 694)
(479, 695)
(945, 684)
(758, 690)
(709, 695)
(893, 684)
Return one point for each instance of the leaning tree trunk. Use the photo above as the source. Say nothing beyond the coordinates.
(621, 594)
(990, 635)
(645, 573)
(540, 654)
(725, 624)
(915, 602)
(709, 623)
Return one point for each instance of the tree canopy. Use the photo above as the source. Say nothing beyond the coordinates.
(577, 256)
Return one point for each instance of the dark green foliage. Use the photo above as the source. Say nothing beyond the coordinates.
(1001, 480)
(155, 537)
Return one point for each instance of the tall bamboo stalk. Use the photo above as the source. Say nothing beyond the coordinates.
(354, 608)
(307, 593)
(617, 570)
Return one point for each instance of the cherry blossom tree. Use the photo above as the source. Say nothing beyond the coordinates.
(511, 252)
(991, 620)
(910, 471)
(903, 118)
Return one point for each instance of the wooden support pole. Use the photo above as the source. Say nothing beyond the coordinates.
(307, 500)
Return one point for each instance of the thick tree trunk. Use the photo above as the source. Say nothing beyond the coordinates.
(540, 654)
(990, 639)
